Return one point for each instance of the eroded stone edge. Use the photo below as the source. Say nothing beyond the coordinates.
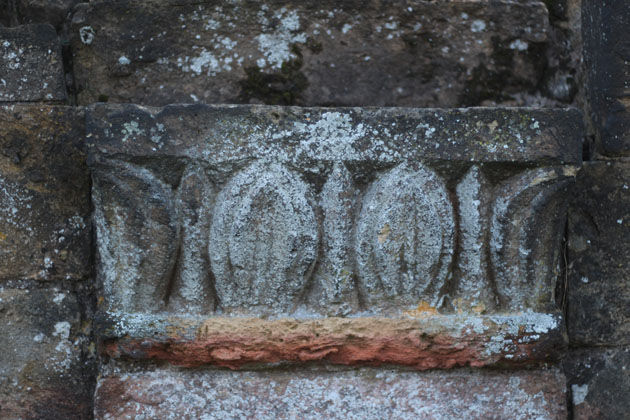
(435, 342)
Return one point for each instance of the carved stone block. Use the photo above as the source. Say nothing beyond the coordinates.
(311, 212)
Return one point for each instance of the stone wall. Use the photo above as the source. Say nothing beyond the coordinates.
(339, 258)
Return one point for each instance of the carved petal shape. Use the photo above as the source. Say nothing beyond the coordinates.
(263, 239)
(137, 236)
(404, 239)
(526, 233)
(192, 289)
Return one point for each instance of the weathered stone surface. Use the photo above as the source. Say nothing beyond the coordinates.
(598, 254)
(599, 383)
(351, 53)
(55, 12)
(431, 341)
(31, 69)
(359, 394)
(44, 194)
(606, 57)
(266, 175)
(42, 373)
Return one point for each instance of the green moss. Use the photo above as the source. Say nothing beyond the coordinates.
(103, 98)
(284, 87)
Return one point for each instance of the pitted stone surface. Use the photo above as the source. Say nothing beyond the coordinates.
(364, 394)
(289, 198)
(44, 194)
(599, 251)
(350, 53)
(42, 375)
(31, 68)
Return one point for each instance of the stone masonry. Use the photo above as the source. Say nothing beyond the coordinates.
(367, 209)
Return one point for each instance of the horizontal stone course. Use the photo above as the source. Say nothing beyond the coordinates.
(363, 394)
(350, 53)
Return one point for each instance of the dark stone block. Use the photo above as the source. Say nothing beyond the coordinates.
(44, 194)
(31, 69)
(606, 56)
(598, 255)
(599, 383)
(330, 53)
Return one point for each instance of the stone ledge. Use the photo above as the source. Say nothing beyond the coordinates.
(230, 133)
(435, 341)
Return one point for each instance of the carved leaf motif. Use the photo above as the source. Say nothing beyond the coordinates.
(334, 287)
(137, 235)
(263, 239)
(404, 239)
(474, 291)
(192, 289)
(526, 232)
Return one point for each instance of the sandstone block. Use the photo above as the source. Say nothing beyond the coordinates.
(44, 194)
(42, 375)
(208, 212)
(359, 394)
(599, 251)
(350, 53)
(31, 69)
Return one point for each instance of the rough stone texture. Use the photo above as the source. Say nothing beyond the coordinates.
(42, 374)
(44, 194)
(599, 383)
(55, 12)
(429, 342)
(270, 172)
(606, 55)
(31, 67)
(362, 394)
(599, 251)
(358, 53)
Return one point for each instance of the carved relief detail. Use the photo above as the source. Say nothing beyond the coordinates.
(404, 236)
(266, 243)
(138, 236)
(526, 234)
(263, 239)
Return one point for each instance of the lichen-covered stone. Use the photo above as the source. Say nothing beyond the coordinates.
(42, 370)
(351, 53)
(364, 394)
(274, 180)
(598, 254)
(598, 382)
(44, 194)
(31, 67)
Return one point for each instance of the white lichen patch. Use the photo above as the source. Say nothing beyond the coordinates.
(276, 46)
(478, 25)
(519, 45)
(579, 393)
(130, 130)
(87, 35)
